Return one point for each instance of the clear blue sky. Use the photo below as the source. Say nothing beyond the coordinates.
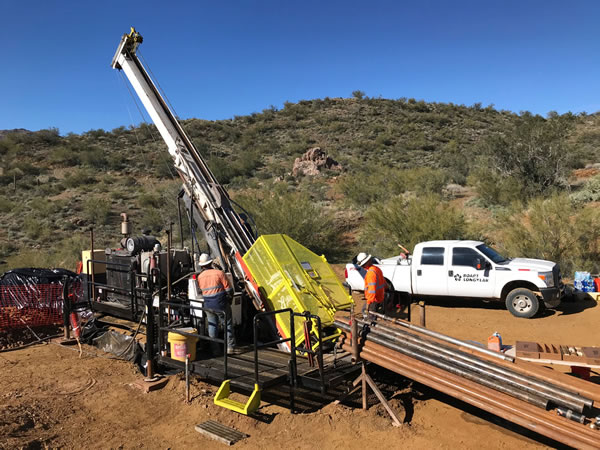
(217, 59)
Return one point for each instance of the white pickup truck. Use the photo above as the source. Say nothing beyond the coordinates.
(469, 269)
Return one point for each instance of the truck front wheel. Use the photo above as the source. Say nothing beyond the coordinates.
(522, 302)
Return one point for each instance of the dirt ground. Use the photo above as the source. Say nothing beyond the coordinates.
(50, 398)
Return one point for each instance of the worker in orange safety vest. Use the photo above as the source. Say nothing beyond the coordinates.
(374, 283)
(216, 292)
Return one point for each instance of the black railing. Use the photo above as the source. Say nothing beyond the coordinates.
(292, 340)
(223, 318)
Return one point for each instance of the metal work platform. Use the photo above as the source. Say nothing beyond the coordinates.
(273, 369)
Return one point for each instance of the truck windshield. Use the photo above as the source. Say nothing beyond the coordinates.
(492, 254)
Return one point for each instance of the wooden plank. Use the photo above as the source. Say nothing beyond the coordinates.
(395, 420)
(591, 354)
(220, 432)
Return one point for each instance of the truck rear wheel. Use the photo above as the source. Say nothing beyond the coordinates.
(522, 302)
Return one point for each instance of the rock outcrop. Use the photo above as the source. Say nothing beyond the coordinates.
(313, 162)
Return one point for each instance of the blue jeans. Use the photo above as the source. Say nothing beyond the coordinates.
(213, 327)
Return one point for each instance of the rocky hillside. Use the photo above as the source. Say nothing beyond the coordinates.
(53, 188)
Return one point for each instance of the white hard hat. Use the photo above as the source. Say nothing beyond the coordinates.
(204, 260)
(362, 258)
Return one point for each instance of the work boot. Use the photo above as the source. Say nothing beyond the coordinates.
(234, 350)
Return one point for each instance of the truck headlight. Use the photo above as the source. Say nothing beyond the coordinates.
(548, 277)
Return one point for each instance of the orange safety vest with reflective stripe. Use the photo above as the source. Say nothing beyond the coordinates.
(214, 285)
(374, 285)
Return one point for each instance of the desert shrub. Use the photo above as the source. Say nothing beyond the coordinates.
(223, 170)
(116, 161)
(94, 157)
(422, 180)
(79, 177)
(6, 146)
(247, 162)
(296, 215)
(162, 166)
(454, 158)
(96, 210)
(50, 136)
(149, 200)
(64, 156)
(29, 258)
(367, 186)
(589, 192)
(358, 94)
(494, 189)
(6, 249)
(151, 218)
(360, 189)
(554, 229)
(226, 169)
(6, 205)
(535, 152)
(26, 168)
(64, 254)
(43, 207)
(408, 221)
(36, 229)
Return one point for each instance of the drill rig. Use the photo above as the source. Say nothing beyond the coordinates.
(268, 273)
(227, 233)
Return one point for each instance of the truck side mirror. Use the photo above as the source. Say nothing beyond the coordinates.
(478, 264)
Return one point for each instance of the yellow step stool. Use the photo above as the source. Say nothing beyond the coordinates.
(222, 399)
(594, 295)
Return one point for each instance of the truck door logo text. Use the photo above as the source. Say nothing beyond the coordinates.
(470, 277)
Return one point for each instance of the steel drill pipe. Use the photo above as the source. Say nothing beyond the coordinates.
(484, 395)
(516, 411)
(511, 405)
(421, 355)
(472, 372)
(584, 388)
(402, 361)
(552, 392)
(445, 338)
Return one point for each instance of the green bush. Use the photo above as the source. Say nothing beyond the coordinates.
(148, 200)
(65, 156)
(296, 215)
(94, 157)
(536, 152)
(589, 192)
(6, 205)
(421, 180)
(96, 210)
(36, 228)
(79, 177)
(493, 189)
(554, 229)
(64, 254)
(408, 221)
(375, 183)
(151, 218)
(361, 188)
(455, 159)
(43, 207)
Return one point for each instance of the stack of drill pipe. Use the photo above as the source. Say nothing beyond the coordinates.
(526, 388)
(584, 388)
(520, 410)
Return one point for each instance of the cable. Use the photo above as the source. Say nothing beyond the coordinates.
(39, 341)
(134, 336)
